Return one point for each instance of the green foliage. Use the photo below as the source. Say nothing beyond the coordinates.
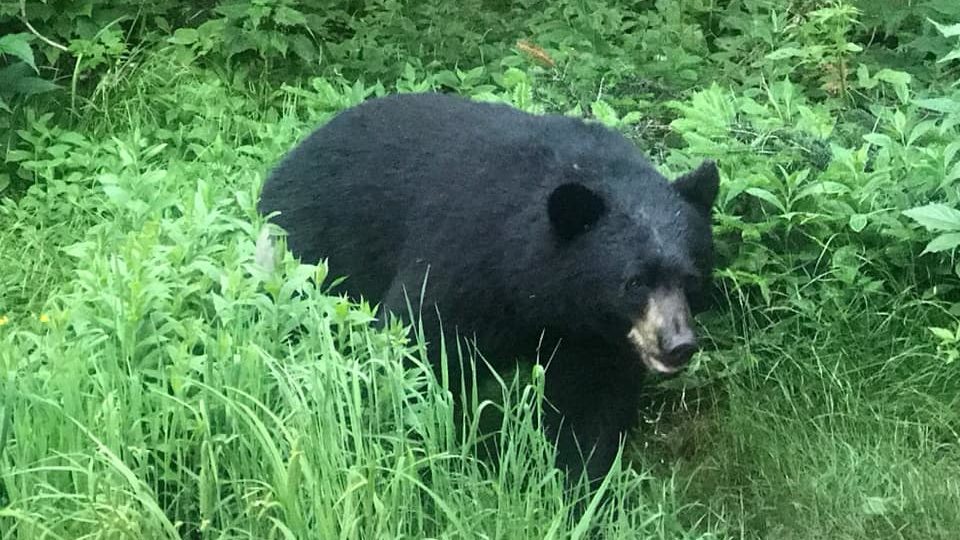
(217, 369)
(818, 42)
(949, 31)
(272, 29)
(938, 218)
(167, 370)
(18, 77)
(904, 27)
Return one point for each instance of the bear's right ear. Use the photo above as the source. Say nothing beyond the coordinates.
(574, 208)
(699, 186)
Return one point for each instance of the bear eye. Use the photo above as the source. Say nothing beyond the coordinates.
(635, 282)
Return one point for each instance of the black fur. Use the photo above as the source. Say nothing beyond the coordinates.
(531, 226)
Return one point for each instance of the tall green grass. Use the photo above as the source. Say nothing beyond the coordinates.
(171, 375)
(846, 426)
(164, 373)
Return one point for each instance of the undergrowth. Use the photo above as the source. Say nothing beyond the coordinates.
(166, 371)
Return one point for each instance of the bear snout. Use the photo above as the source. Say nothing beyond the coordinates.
(663, 336)
(677, 348)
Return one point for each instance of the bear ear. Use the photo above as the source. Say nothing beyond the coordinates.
(699, 187)
(574, 208)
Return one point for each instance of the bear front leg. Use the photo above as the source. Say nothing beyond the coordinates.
(591, 405)
(584, 445)
(403, 300)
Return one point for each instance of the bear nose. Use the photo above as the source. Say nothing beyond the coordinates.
(679, 348)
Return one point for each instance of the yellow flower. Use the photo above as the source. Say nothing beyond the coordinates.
(44, 318)
(4, 320)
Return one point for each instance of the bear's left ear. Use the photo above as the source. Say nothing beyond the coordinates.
(574, 208)
(699, 187)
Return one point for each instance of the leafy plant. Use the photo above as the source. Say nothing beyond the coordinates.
(938, 218)
(819, 41)
(18, 79)
(168, 370)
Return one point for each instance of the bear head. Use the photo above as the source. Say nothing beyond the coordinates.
(639, 252)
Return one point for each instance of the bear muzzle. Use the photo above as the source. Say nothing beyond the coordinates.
(663, 336)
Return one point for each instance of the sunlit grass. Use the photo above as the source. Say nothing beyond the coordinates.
(158, 381)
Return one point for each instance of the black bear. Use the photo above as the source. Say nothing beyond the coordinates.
(542, 234)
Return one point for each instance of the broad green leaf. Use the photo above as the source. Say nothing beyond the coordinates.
(784, 53)
(822, 188)
(920, 130)
(29, 86)
(235, 11)
(603, 112)
(766, 196)
(942, 333)
(899, 80)
(185, 36)
(952, 175)
(948, 30)
(513, 77)
(878, 139)
(286, 16)
(944, 242)
(18, 45)
(14, 156)
(893, 76)
(631, 117)
(935, 217)
(952, 55)
(18, 78)
(303, 47)
(950, 152)
(941, 105)
(116, 194)
(858, 222)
